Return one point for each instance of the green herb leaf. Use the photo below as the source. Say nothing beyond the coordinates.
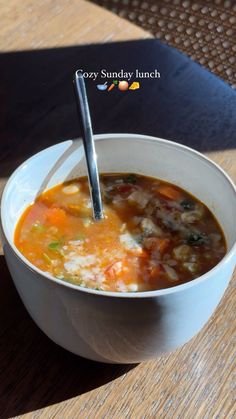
(54, 245)
(197, 239)
(47, 259)
(40, 228)
(130, 179)
(187, 204)
(80, 236)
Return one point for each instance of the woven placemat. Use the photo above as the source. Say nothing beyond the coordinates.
(204, 30)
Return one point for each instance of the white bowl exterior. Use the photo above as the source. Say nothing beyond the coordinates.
(127, 328)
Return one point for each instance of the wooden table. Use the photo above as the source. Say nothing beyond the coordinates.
(39, 379)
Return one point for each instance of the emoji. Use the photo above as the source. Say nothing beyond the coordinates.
(113, 84)
(134, 86)
(102, 87)
(111, 87)
(123, 85)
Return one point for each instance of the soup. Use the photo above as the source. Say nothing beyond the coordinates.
(154, 235)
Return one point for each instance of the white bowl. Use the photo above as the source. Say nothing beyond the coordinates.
(120, 327)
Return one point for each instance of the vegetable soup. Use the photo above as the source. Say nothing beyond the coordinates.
(154, 234)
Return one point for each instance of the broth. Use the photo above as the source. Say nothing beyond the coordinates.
(154, 235)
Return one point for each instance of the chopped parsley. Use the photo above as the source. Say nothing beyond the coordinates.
(187, 204)
(37, 226)
(54, 245)
(131, 179)
(197, 239)
(46, 258)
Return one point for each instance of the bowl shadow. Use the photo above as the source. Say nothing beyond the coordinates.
(187, 103)
(35, 372)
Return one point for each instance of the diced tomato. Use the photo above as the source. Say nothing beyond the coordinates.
(56, 216)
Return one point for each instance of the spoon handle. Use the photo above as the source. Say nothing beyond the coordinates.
(90, 153)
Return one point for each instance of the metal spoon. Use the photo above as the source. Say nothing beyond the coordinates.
(90, 153)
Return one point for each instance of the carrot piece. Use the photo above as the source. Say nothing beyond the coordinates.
(169, 192)
(56, 216)
(111, 87)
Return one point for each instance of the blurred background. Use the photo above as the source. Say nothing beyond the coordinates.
(204, 30)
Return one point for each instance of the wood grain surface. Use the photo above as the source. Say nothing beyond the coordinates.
(39, 379)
